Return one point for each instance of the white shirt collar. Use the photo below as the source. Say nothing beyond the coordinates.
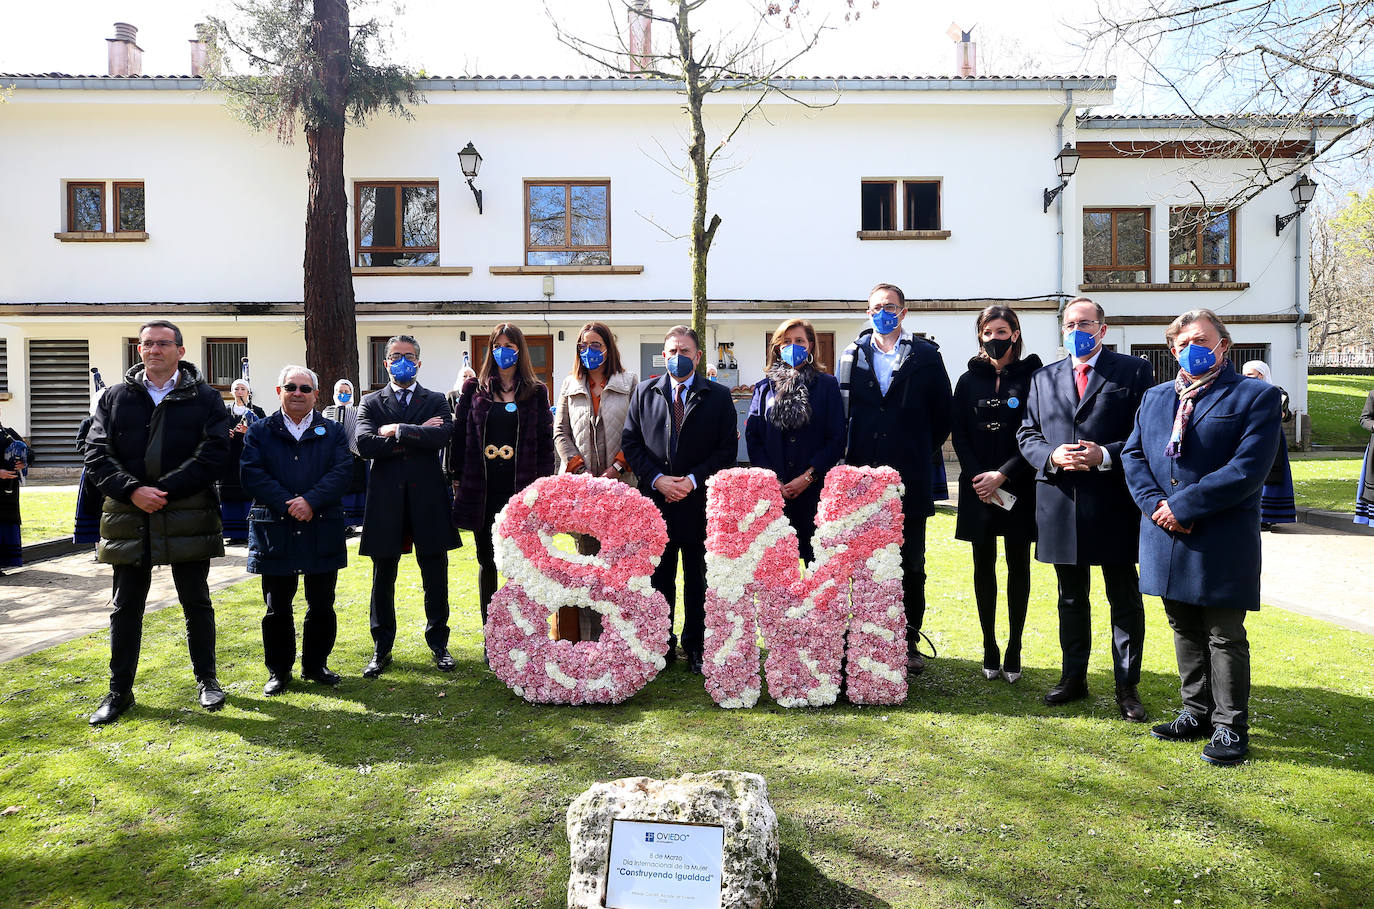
(685, 383)
(1091, 361)
(397, 389)
(297, 429)
(165, 386)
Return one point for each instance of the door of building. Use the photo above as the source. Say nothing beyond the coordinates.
(59, 387)
(541, 357)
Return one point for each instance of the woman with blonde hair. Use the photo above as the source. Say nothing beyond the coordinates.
(592, 406)
(795, 426)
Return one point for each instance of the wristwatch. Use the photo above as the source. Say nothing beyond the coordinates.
(619, 468)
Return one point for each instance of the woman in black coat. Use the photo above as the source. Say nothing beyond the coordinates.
(502, 442)
(14, 460)
(996, 485)
(795, 426)
(234, 500)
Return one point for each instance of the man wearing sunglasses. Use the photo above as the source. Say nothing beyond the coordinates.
(404, 429)
(157, 443)
(296, 465)
(1079, 413)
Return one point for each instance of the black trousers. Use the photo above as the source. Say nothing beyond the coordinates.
(279, 624)
(1075, 620)
(1213, 662)
(382, 612)
(1017, 555)
(130, 599)
(664, 580)
(486, 563)
(914, 575)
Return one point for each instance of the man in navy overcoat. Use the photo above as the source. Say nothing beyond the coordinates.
(1080, 411)
(1198, 490)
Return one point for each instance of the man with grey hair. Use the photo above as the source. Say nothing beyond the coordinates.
(403, 429)
(296, 466)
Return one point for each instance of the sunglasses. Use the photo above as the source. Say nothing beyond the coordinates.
(303, 389)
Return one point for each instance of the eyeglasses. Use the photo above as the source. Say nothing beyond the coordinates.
(303, 389)
(593, 345)
(890, 309)
(394, 357)
(164, 344)
(1085, 325)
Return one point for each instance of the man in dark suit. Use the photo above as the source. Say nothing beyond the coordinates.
(1078, 415)
(680, 430)
(897, 398)
(403, 429)
(1195, 463)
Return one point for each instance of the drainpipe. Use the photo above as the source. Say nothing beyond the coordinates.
(1059, 209)
(1297, 276)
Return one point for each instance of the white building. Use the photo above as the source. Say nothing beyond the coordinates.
(132, 197)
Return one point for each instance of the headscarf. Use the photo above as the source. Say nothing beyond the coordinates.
(464, 373)
(1188, 389)
(237, 408)
(339, 384)
(1260, 367)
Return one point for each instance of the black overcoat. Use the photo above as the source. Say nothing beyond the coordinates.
(1084, 517)
(276, 468)
(987, 415)
(407, 475)
(9, 489)
(709, 443)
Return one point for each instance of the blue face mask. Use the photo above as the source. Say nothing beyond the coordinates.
(343, 397)
(403, 370)
(1196, 359)
(884, 322)
(592, 358)
(794, 355)
(680, 366)
(1080, 343)
(505, 357)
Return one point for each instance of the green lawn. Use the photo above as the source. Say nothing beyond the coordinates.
(1326, 483)
(1334, 403)
(46, 514)
(427, 790)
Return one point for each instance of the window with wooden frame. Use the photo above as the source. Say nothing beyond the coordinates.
(824, 354)
(376, 355)
(1116, 245)
(131, 355)
(1202, 245)
(919, 208)
(86, 207)
(224, 361)
(4, 365)
(87, 210)
(396, 223)
(128, 207)
(567, 222)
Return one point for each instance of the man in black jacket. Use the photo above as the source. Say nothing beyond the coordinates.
(898, 400)
(681, 429)
(404, 429)
(157, 444)
(1079, 413)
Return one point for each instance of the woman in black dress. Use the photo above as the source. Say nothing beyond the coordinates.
(15, 458)
(234, 503)
(996, 485)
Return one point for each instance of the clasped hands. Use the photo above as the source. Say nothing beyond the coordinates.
(985, 485)
(673, 489)
(389, 430)
(797, 486)
(1164, 517)
(1075, 456)
(12, 474)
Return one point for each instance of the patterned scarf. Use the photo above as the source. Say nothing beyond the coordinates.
(791, 399)
(1188, 389)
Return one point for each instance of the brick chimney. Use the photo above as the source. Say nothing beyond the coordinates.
(641, 35)
(126, 57)
(200, 49)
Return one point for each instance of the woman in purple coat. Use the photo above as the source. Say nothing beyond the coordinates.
(502, 442)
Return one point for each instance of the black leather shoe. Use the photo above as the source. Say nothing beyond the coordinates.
(276, 684)
(670, 657)
(443, 661)
(1128, 700)
(324, 675)
(694, 664)
(211, 695)
(379, 662)
(915, 662)
(1185, 728)
(115, 703)
(1226, 747)
(1068, 689)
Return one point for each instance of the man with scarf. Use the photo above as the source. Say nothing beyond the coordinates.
(1201, 449)
(898, 400)
(1078, 415)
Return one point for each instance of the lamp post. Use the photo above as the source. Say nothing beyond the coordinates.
(1066, 163)
(1303, 192)
(470, 160)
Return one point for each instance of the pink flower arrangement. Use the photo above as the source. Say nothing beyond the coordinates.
(751, 557)
(615, 582)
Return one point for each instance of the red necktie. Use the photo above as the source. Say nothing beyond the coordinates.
(1080, 378)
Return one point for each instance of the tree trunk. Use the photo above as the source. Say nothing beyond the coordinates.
(702, 234)
(331, 325)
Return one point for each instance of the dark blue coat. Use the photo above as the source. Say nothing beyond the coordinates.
(276, 468)
(1084, 517)
(1213, 487)
(818, 444)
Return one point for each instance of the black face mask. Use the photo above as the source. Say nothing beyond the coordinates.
(996, 348)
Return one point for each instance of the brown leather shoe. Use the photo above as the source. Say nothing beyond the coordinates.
(1132, 711)
(1068, 689)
